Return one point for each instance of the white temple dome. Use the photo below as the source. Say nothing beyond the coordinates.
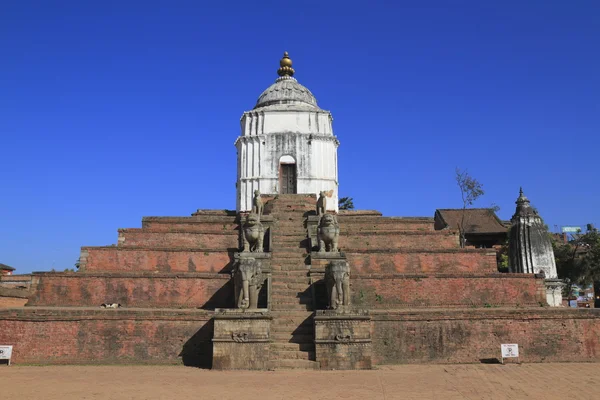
(287, 90)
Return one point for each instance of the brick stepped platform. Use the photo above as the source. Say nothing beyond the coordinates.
(292, 328)
(139, 289)
(204, 242)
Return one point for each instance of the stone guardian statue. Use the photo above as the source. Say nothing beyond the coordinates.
(248, 280)
(337, 279)
(257, 204)
(328, 234)
(252, 234)
(322, 203)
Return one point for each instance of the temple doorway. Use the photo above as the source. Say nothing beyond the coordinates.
(287, 175)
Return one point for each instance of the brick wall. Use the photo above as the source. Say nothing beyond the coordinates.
(191, 224)
(411, 290)
(62, 336)
(398, 240)
(431, 261)
(159, 239)
(125, 259)
(133, 290)
(354, 224)
(543, 335)
(8, 302)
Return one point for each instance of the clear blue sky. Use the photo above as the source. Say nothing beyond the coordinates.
(114, 110)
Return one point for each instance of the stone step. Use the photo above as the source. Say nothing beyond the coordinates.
(293, 364)
(291, 233)
(282, 299)
(292, 330)
(292, 337)
(277, 254)
(288, 286)
(285, 291)
(296, 280)
(291, 307)
(292, 355)
(290, 268)
(285, 346)
(290, 324)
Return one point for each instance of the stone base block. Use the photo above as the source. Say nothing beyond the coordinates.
(241, 339)
(343, 339)
(554, 288)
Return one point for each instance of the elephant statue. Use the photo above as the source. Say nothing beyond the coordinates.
(337, 279)
(248, 280)
(253, 234)
(328, 234)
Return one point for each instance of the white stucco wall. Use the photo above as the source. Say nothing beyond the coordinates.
(268, 135)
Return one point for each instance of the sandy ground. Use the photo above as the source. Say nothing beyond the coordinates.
(527, 381)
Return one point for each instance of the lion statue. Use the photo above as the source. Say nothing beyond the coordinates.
(253, 234)
(328, 234)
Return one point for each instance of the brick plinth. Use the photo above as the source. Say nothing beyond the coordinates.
(241, 339)
(473, 336)
(422, 260)
(127, 259)
(159, 239)
(106, 336)
(185, 290)
(389, 291)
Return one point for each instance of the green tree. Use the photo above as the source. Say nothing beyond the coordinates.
(578, 261)
(346, 203)
(470, 190)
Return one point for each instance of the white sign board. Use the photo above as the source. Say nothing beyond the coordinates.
(6, 353)
(509, 350)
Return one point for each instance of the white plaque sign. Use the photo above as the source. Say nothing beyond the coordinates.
(6, 353)
(509, 350)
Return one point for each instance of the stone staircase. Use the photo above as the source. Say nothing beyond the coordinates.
(292, 328)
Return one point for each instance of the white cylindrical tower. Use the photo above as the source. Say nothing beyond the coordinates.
(287, 144)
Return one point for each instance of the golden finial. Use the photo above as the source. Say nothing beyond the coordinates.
(285, 66)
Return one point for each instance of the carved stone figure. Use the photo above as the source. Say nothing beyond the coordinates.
(248, 280)
(337, 278)
(257, 204)
(322, 203)
(328, 234)
(253, 234)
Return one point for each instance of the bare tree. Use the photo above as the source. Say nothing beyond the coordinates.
(470, 190)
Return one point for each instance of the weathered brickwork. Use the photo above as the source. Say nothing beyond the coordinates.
(201, 223)
(76, 336)
(355, 224)
(399, 291)
(71, 336)
(8, 302)
(158, 239)
(383, 240)
(122, 259)
(133, 290)
(473, 336)
(422, 261)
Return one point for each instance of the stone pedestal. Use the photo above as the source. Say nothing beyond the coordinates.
(554, 289)
(343, 339)
(241, 339)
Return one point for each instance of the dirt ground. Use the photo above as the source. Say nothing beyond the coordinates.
(527, 381)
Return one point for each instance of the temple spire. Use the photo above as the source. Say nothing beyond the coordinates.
(285, 66)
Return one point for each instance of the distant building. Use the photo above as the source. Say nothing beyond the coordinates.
(6, 270)
(483, 228)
